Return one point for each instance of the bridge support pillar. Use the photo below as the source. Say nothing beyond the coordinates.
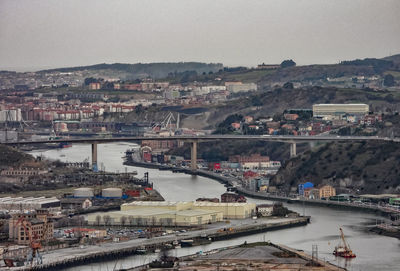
(94, 157)
(293, 150)
(193, 156)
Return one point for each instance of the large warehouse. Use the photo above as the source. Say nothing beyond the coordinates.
(29, 204)
(323, 110)
(172, 213)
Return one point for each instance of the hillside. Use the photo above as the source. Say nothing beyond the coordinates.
(143, 70)
(369, 167)
(10, 157)
(267, 78)
(268, 103)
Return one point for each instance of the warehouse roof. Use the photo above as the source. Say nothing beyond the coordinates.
(28, 200)
(218, 204)
(154, 203)
(144, 212)
(196, 212)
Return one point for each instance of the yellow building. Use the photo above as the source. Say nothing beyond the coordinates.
(169, 205)
(143, 213)
(156, 216)
(231, 210)
(326, 191)
(25, 227)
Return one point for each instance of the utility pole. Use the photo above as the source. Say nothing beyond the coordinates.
(314, 254)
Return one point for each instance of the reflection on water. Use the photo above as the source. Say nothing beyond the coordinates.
(374, 252)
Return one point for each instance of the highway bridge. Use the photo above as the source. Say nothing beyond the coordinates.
(292, 140)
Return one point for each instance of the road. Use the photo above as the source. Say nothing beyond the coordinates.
(76, 252)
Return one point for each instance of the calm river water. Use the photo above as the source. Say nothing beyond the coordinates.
(374, 252)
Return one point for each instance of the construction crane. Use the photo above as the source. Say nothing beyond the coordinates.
(346, 245)
(343, 250)
(34, 244)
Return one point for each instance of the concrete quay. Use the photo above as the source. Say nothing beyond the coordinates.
(76, 256)
(249, 256)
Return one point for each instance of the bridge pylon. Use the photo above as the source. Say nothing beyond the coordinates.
(94, 157)
(293, 152)
(193, 155)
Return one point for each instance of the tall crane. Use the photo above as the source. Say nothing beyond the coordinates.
(33, 242)
(345, 244)
(343, 250)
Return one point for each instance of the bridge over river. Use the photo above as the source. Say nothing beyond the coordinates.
(292, 140)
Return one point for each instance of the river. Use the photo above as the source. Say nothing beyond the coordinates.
(374, 252)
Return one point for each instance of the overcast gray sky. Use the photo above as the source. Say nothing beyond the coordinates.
(48, 33)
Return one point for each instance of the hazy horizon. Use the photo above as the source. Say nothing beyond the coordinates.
(45, 34)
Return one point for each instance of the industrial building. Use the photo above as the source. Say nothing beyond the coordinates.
(23, 228)
(83, 192)
(230, 210)
(76, 203)
(29, 204)
(167, 213)
(236, 87)
(335, 110)
(111, 192)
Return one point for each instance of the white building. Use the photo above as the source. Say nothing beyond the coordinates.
(18, 204)
(331, 110)
(234, 88)
(10, 115)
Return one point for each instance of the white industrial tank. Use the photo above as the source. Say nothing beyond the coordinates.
(111, 192)
(83, 192)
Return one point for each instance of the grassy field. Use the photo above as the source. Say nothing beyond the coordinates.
(251, 76)
(396, 74)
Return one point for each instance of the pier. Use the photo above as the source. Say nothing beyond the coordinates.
(75, 255)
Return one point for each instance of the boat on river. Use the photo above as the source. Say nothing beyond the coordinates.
(343, 249)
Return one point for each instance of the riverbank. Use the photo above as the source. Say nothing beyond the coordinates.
(387, 231)
(261, 195)
(74, 256)
(322, 231)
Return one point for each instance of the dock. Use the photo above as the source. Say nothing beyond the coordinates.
(248, 256)
(74, 256)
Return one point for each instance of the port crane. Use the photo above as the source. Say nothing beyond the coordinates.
(35, 245)
(167, 123)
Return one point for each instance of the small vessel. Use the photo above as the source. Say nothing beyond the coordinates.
(65, 145)
(187, 243)
(141, 250)
(14, 262)
(343, 249)
(165, 261)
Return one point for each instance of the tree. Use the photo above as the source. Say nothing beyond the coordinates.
(98, 219)
(388, 80)
(90, 80)
(123, 220)
(288, 85)
(108, 85)
(107, 220)
(139, 109)
(256, 101)
(288, 63)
